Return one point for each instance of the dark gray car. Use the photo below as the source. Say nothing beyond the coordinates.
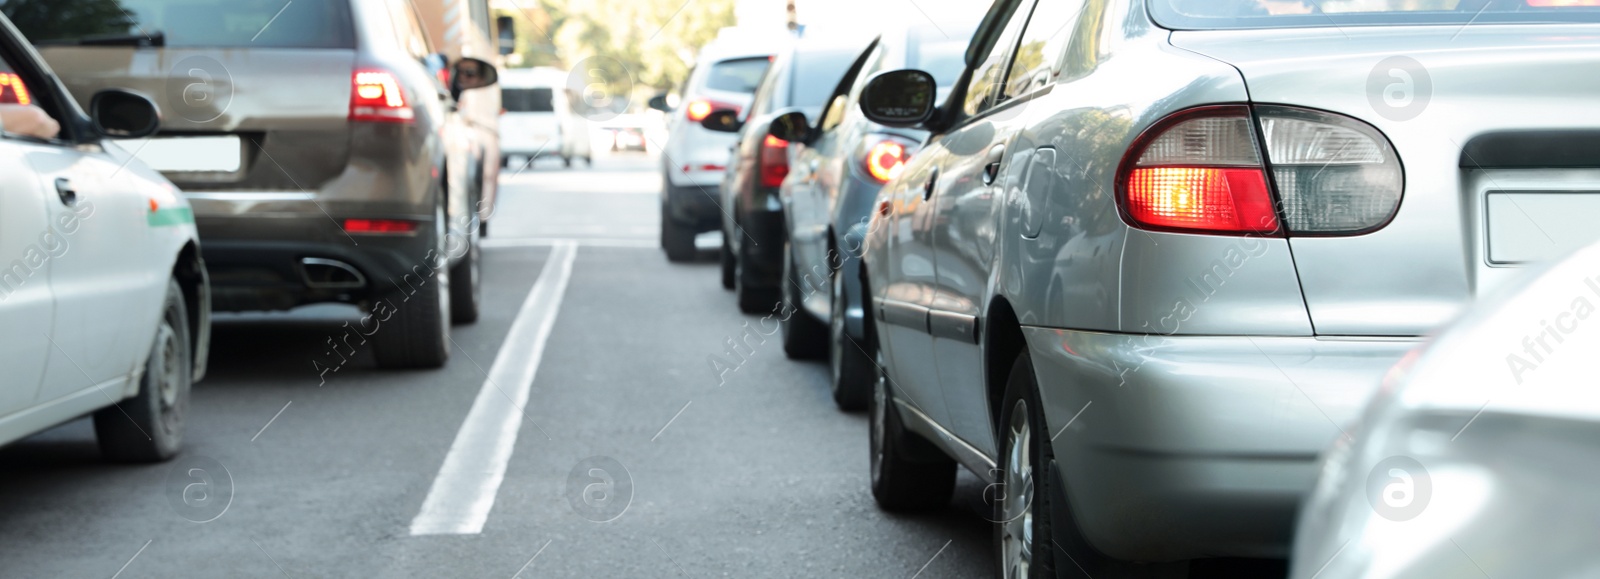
(841, 160)
(317, 141)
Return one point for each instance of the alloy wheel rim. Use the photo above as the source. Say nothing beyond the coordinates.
(836, 331)
(880, 399)
(1016, 526)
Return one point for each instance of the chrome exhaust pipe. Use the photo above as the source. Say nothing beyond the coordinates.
(320, 273)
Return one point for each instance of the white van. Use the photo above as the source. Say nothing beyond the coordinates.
(537, 119)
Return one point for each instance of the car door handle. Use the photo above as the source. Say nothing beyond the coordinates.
(991, 170)
(64, 190)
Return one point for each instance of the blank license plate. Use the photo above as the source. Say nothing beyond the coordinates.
(1534, 227)
(189, 154)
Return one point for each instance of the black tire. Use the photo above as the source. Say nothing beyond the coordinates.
(466, 289)
(566, 162)
(588, 161)
(804, 337)
(754, 300)
(729, 264)
(414, 326)
(851, 372)
(676, 240)
(149, 426)
(908, 473)
(1025, 490)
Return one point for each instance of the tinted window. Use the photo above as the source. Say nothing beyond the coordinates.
(742, 75)
(816, 74)
(991, 73)
(1043, 42)
(187, 23)
(527, 100)
(1207, 14)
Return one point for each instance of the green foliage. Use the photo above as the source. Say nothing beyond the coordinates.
(645, 45)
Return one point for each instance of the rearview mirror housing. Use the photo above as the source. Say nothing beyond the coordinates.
(723, 121)
(900, 98)
(659, 102)
(124, 114)
(792, 126)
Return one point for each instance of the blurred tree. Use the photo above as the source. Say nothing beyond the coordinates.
(53, 19)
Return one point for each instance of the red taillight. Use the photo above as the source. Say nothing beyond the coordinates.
(886, 159)
(379, 226)
(375, 96)
(774, 161)
(698, 110)
(12, 91)
(1201, 198)
(1200, 172)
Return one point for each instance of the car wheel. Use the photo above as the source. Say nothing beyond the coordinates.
(850, 370)
(804, 338)
(149, 427)
(1022, 507)
(729, 264)
(677, 240)
(414, 328)
(752, 300)
(908, 473)
(466, 293)
(566, 162)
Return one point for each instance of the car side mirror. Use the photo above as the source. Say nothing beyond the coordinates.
(124, 114)
(471, 73)
(723, 121)
(900, 98)
(659, 102)
(791, 126)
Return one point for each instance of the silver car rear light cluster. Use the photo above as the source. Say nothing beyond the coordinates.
(1334, 175)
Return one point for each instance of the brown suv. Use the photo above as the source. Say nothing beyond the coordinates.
(318, 142)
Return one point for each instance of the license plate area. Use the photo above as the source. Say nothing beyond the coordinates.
(190, 155)
(1531, 227)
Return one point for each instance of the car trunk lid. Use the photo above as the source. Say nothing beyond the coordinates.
(1464, 109)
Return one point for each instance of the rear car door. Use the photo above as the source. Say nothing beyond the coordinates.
(970, 157)
(816, 175)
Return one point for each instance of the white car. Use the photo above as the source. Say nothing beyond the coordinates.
(538, 119)
(104, 302)
(1478, 456)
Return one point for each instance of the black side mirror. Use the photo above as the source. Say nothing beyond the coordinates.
(723, 121)
(792, 126)
(471, 73)
(900, 98)
(507, 34)
(659, 102)
(124, 114)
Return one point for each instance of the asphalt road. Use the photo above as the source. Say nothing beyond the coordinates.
(630, 459)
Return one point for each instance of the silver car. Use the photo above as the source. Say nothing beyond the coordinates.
(1478, 457)
(1156, 253)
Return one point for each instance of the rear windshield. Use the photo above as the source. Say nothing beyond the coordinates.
(1219, 14)
(742, 75)
(186, 23)
(816, 74)
(527, 100)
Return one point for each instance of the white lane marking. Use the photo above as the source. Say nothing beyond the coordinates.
(463, 493)
(501, 242)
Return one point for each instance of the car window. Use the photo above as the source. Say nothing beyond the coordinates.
(528, 100)
(408, 29)
(767, 91)
(987, 77)
(20, 87)
(1043, 42)
(816, 74)
(187, 23)
(834, 114)
(739, 75)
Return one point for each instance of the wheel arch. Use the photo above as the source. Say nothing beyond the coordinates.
(195, 283)
(1003, 341)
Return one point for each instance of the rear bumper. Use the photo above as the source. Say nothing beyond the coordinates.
(1190, 447)
(691, 205)
(254, 249)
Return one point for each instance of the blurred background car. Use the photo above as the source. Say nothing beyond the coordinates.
(538, 120)
(1478, 454)
(1144, 270)
(308, 139)
(104, 306)
(837, 168)
(694, 158)
(802, 78)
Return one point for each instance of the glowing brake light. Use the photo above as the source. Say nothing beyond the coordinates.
(380, 226)
(698, 110)
(12, 91)
(774, 161)
(886, 159)
(1198, 172)
(376, 97)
